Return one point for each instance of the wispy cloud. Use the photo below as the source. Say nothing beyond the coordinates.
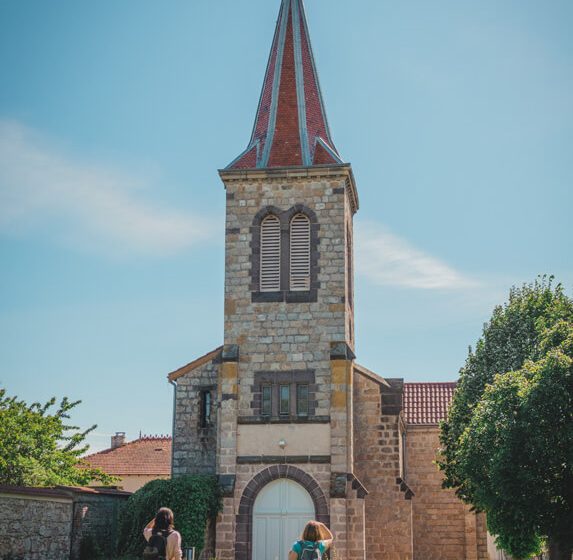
(44, 190)
(386, 259)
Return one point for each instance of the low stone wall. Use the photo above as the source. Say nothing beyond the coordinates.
(51, 523)
(35, 525)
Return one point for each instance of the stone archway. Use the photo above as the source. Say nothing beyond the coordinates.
(244, 519)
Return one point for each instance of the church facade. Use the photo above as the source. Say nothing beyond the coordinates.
(282, 412)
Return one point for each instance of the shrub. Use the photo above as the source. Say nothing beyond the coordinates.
(89, 549)
(193, 499)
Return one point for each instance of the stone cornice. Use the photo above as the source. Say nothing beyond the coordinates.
(281, 173)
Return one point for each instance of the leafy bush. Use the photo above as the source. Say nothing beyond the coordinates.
(193, 499)
(89, 549)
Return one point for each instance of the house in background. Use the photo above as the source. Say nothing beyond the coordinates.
(136, 462)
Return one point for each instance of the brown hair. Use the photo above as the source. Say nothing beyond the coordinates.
(164, 520)
(312, 532)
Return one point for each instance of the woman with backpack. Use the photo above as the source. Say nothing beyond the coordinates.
(315, 540)
(163, 542)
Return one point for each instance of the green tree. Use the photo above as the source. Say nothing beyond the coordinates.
(507, 445)
(38, 448)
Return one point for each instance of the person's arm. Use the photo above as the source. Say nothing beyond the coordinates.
(148, 531)
(327, 536)
(174, 546)
(293, 554)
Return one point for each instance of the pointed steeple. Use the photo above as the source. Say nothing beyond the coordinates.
(290, 127)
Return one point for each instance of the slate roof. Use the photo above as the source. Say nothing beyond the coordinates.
(148, 455)
(291, 128)
(427, 403)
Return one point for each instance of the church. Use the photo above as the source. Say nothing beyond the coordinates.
(282, 412)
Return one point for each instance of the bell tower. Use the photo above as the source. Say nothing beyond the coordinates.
(285, 383)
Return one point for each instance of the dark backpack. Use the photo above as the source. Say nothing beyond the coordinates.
(156, 546)
(309, 552)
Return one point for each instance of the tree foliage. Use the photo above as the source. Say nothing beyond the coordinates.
(38, 448)
(193, 499)
(508, 443)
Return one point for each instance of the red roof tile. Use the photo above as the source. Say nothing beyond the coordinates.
(291, 128)
(144, 456)
(427, 403)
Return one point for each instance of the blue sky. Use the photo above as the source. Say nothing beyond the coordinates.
(115, 116)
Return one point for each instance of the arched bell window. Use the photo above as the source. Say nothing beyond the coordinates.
(299, 253)
(284, 255)
(270, 276)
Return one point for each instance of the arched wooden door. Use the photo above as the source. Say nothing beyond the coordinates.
(281, 511)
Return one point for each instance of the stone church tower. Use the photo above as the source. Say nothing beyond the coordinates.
(293, 427)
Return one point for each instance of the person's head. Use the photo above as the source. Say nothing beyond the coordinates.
(164, 520)
(312, 532)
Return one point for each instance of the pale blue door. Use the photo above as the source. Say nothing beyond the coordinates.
(281, 511)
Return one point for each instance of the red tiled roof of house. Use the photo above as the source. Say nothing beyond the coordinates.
(427, 403)
(148, 455)
(290, 128)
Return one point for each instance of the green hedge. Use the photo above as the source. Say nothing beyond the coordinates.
(193, 499)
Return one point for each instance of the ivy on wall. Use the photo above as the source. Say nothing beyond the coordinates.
(193, 499)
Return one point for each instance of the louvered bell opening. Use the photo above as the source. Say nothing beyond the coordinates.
(270, 255)
(300, 253)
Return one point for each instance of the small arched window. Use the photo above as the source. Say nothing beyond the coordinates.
(300, 253)
(270, 279)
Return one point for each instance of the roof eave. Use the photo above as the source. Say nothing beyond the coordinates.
(371, 375)
(174, 375)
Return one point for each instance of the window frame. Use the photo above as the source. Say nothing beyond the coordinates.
(299, 412)
(205, 408)
(299, 253)
(284, 293)
(264, 388)
(284, 412)
(269, 279)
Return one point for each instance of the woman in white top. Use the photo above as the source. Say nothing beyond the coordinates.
(163, 524)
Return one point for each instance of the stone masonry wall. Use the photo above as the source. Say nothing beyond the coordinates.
(50, 524)
(285, 333)
(35, 529)
(283, 336)
(444, 528)
(377, 464)
(195, 447)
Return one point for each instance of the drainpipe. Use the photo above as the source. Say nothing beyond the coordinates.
(174, 383)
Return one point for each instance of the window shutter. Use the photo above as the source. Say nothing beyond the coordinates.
(270, 278)
(300, 253)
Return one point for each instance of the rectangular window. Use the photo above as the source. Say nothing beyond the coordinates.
(284, 400)
(302, 400)
(267, 400)
(205, 409)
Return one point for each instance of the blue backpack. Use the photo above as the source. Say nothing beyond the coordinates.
(309, 552)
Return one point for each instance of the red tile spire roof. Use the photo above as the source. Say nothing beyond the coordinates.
(290, 127)
(427, 403)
